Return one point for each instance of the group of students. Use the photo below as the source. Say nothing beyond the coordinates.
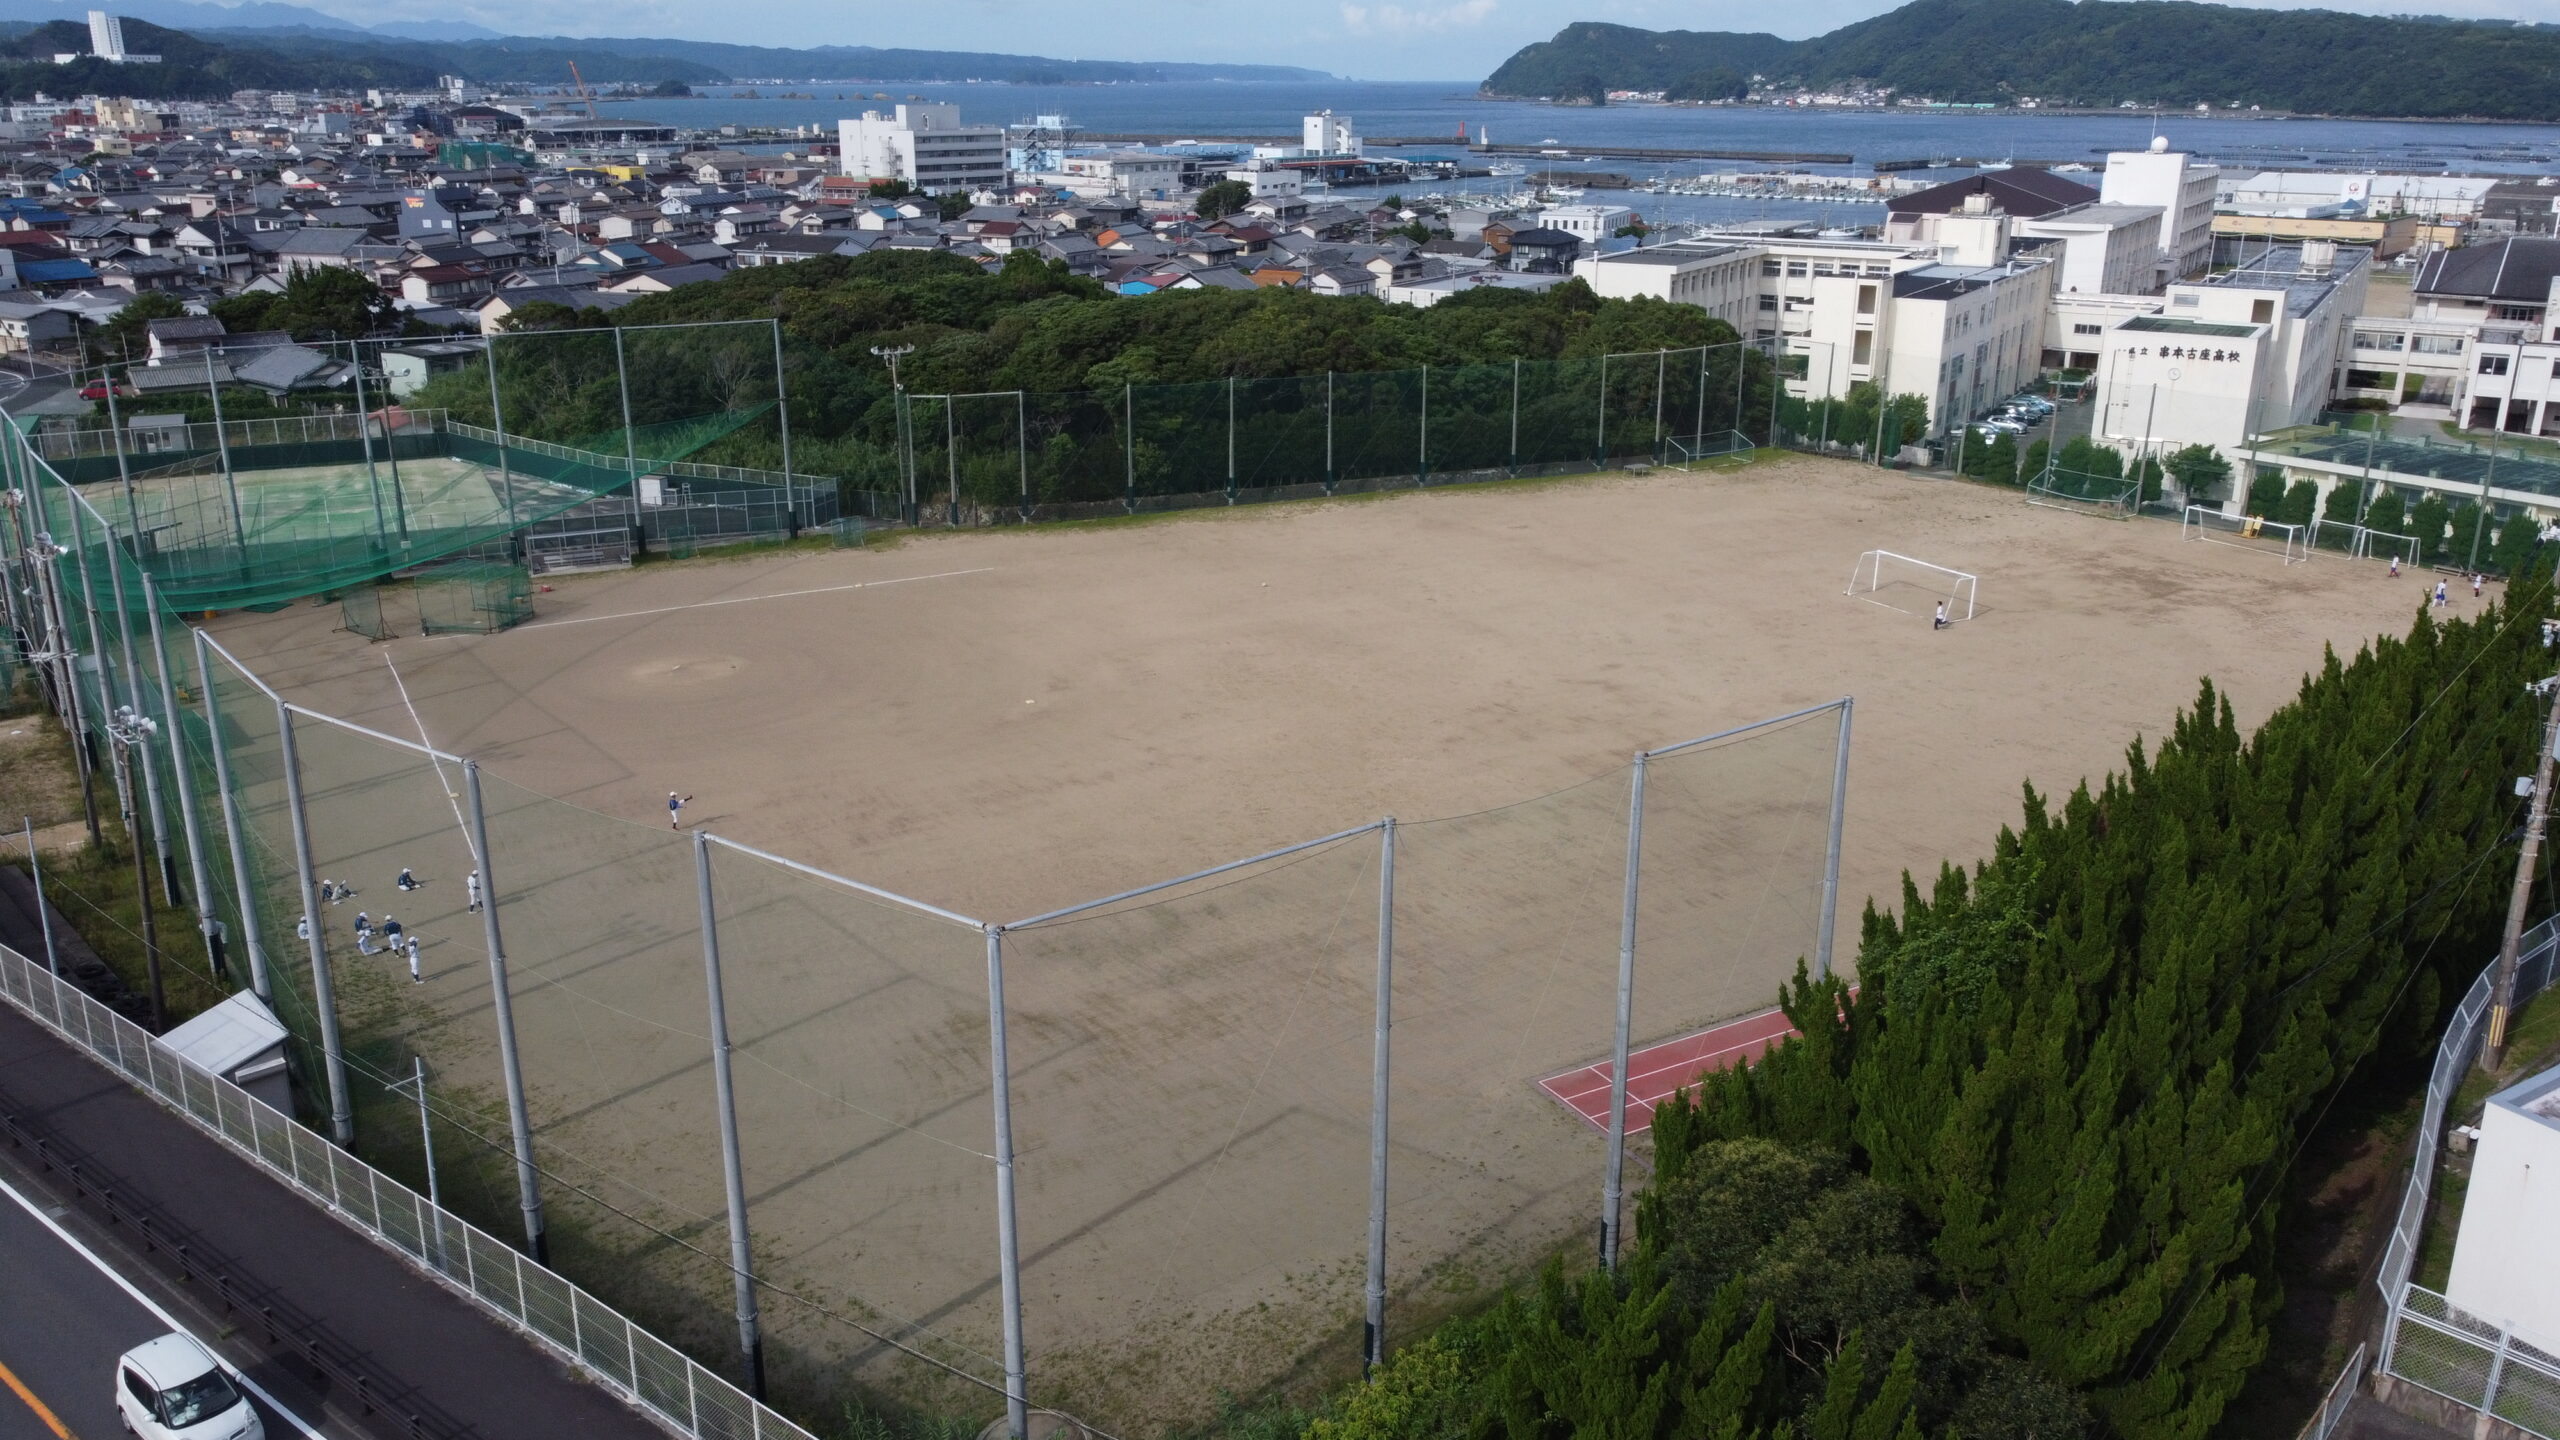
(2479, 583)
(396, 939)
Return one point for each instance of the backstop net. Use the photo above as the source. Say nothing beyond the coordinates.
(473, 598)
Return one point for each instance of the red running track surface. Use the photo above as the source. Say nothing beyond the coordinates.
(1654, 1072)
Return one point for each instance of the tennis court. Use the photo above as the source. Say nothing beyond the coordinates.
(1657, 1072)
(2461, 464)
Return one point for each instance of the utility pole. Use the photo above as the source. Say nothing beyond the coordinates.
(2502, 984)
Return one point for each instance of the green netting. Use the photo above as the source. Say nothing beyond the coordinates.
(360, 610)
(2096, 493)
(473, 598)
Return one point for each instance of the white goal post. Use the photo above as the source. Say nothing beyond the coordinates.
(2247, 532)
(1879, 570)
(2364, 544)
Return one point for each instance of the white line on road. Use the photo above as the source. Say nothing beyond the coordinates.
(147, 1303)
(743, 599)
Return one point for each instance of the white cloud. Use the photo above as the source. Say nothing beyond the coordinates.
(1392, 19)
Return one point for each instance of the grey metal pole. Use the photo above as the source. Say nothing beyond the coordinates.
(124, 467)
(742, 1274)
(1701, 429)
(1600, 414)
(630, 437)
(498, 426)
(390, 452)
(1231, 439)
(502, 1008)
(324, 998)
(1022, 447)
(1422, 447)
(98, 639)
(1661, 376)
(44, 916)
(1612, 1189)
(1515, 415)
(234, 832)
(222, 446)
(426, 1132)
(364, 436)
(160, 850)
(181, 779)
(951, 453)
(1129, 448)
(1017, 1403)
(2480, 521)
(1373, 1347)
(1328, 432)
(790, 487)
(1831, 856)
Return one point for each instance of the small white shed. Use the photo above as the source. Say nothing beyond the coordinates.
(2506, 1257)
(241, 1041)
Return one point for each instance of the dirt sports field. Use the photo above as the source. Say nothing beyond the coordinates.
(1003, 723)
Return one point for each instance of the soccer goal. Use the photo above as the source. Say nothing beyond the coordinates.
(2112, 497)
(1686, 451)
(2362, 543)
(2246, 532)
(1914, 587)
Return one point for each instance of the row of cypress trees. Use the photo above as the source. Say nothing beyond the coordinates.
(2087, 1062)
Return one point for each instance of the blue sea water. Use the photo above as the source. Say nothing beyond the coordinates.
(1424, 109)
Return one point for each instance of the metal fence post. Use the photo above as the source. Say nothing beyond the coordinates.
(364, 435)
(342, 1122)
(1373, 1348)
(1612, 1188)
(951, 452)
(1022, 447)
(630, 437)
(1661, 376)
(502, 1007)
(1600, 438)
(1328, 432)
(97, 654)
(1231, 439)
(181, 775)
(1008, 1243)
(1129, 448)
(1422, 444)
(1831, 856)
(732, 1167)
(44, 914)
(1701, 430)
(498, 427)
(233, 831)
(168, 861)
(1514, 466)
(782, 416)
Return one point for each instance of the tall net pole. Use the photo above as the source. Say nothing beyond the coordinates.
(1831, 855)
(790, 487)
(1612, 1189)
(244, 893)
(742, 1273)
(222, 448)
(498, 426)
(1017, 1404)
(1374, 1347)
(364, 437)
(324, 999)
(630, 437)
(502, 1009)
(181, 777)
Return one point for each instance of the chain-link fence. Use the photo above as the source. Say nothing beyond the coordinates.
(2427, 1340)
(1118, 1159)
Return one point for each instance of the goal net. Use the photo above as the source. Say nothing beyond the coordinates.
(2248, 532)
(473, 598)
(2359, 542)
(1687, 450)
(1914, 587)
(2110, 496)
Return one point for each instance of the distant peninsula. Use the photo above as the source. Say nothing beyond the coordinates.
(2098, 53)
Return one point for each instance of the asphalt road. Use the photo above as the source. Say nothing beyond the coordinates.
(64, 1318)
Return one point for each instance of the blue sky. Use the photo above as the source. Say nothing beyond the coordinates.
(1366, 39)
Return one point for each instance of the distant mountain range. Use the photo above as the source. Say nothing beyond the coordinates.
(306, 38)
(2099, 52)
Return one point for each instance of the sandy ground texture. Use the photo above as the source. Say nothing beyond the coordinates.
(1005, 723)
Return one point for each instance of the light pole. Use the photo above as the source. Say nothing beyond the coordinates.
(129, 730)
(906, 477)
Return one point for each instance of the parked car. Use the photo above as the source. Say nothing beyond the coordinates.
(173, 1389)
(97, 390)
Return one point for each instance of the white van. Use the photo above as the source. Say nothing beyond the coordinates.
(173, 1389)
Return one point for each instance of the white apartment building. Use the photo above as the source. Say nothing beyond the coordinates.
(106, 36)
(1133, 174)
(2103, 249)
(1590, 224)
(2181, 190)
(1268, 179)
(2233, 355)
(926, 146)
(1325, 133)
(1954, 321)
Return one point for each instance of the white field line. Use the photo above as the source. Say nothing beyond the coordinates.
(746, 599)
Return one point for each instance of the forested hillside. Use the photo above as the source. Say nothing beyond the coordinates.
(2168, 52)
